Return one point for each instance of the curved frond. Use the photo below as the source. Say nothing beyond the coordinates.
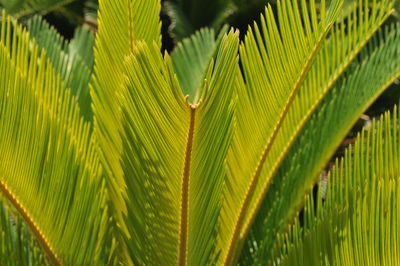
(341, 108)
(121, 25)
(356, 223)
(173, 156)
(297, 63)
(72, 60)
(48, 169)
(190, 60)
(18, 246)
(272, 78)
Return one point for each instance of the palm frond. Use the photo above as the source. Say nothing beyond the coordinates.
(361, 201)
(48, 169)
(177, 150)
(121, 24)
(272, 79)
(354, 92)
(18, 246)
(73, 60)
(191, 58)
(285, 92)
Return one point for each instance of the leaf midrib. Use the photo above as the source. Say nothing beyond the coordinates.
(255, 177)
(301, 126)
(184, 216)
(31, 223)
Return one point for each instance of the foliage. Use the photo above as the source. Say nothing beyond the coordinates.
(122, 155)
(359, 206)
(73, 60)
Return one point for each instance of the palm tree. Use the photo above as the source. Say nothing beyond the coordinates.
(204, 156)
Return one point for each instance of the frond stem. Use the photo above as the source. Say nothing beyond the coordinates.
(32, 225)
(302, 124)
(254, 180)
(183, 227)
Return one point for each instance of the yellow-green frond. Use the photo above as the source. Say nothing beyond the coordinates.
(191, 58)
(341, 108)
(274, 67)
(18, 245)
(121, 25)
(174, 154)
(72, 60)
(155, 123)
(356, 222)
(288, 69)
(48, 169)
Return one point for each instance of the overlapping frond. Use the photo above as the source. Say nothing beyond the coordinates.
(173, 156)
(193, 160)
(274, 67)
(190, 60)
(156, 124)
(295, 68)
(73, 60)
(213, 135)
(330, 63)
(356, 221)
(48, 169)
(18, 246)
(319, 140)
(121, 24)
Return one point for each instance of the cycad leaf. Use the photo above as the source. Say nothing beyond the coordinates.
(81, 58)
(18, 247)
(121, 24)
(173, 157)
(48, 169)
(190, 60)
(272, 78)
(286, 89)
(320, 138)
(334, 57)
(361, 203)
(73, 60)
(82, 46)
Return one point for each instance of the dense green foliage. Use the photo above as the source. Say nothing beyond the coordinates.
(116, 153)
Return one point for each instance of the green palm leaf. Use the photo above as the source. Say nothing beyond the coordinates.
(265, 99)
(73, 60)
(361, 199)
(177, 150)
(191, 58)
(18, 246)
(48, 170)
(121, 24)
(284, 93)
(194, 158)
(320, 138)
